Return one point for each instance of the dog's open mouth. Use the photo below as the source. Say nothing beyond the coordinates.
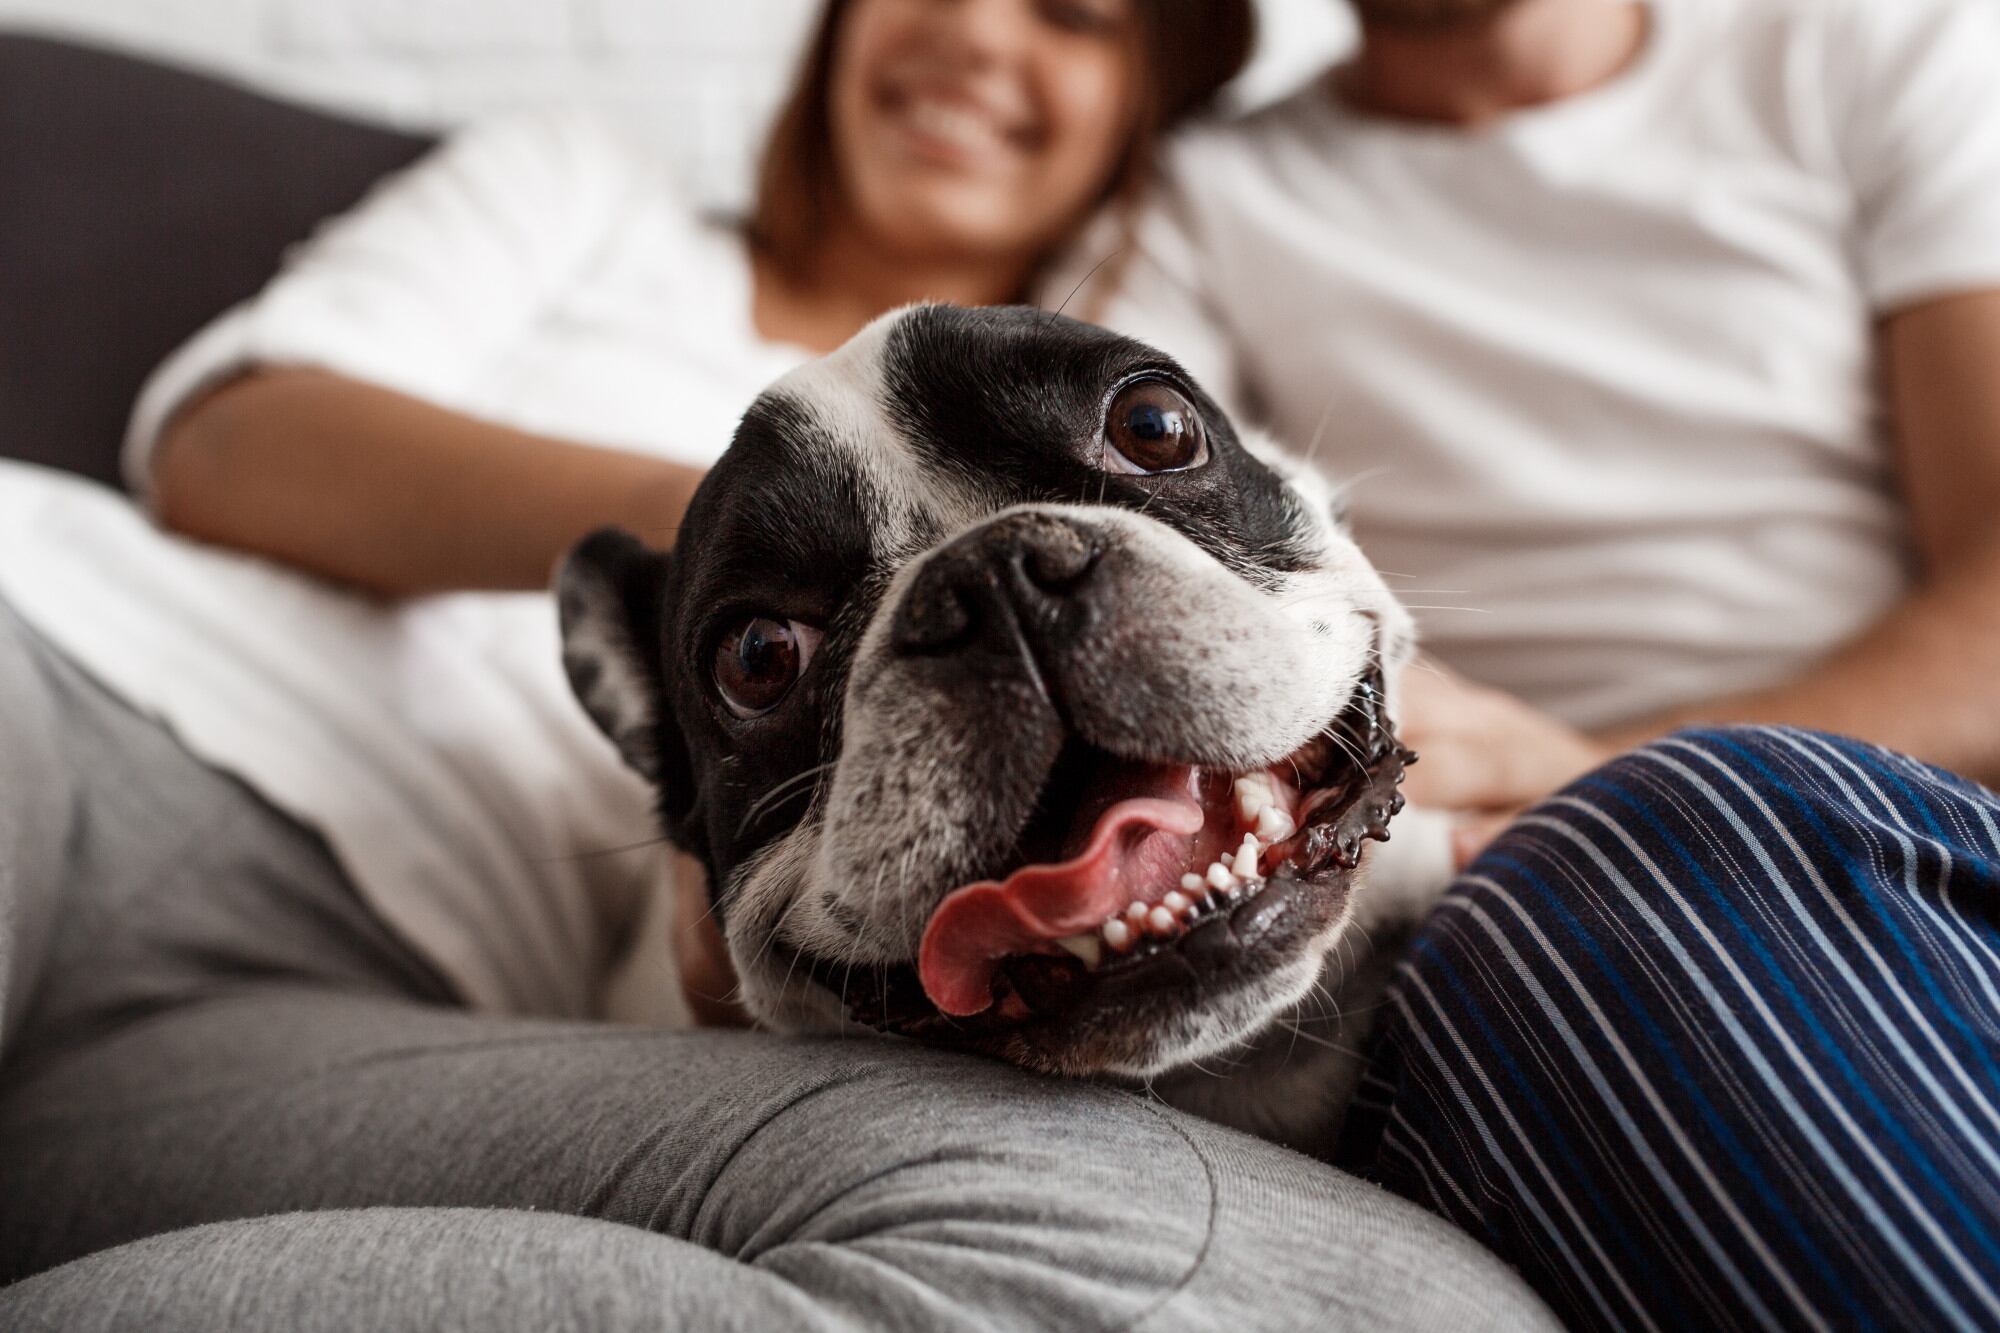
(1133, 876)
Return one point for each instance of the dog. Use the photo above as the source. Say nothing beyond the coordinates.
(1016, 702)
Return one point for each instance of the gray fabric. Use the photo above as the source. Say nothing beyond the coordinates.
(393, 1269)
(35, 807)
(221, 1032)
(157, 880)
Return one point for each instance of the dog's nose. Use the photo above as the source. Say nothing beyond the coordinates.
(1017, 580)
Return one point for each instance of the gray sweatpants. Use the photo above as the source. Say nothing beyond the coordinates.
(203, 1024)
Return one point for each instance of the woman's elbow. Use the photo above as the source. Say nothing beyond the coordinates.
(190, 481)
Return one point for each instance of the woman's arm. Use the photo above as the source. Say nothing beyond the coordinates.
(370, 487)
(350, 469)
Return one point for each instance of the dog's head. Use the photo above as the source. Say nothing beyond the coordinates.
(1012, 701)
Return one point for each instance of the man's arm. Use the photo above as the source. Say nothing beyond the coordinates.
(1925, 679)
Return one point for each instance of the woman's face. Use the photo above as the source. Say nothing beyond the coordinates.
(977, 128)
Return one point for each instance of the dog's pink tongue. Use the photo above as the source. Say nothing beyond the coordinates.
(1140, 841)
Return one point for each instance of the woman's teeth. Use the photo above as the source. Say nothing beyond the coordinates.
(953, 123)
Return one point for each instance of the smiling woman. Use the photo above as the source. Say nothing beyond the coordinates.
(394, 804)
(884, 130)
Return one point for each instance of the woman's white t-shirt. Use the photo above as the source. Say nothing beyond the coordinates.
(534, 272)
(1602, 379)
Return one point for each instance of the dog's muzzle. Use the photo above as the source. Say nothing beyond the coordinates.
(1131, 877)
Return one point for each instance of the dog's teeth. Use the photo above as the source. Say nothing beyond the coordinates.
(1176, 902)
(1161, 922)
(1220, 878)
(1253, 797)
(1274, 825)
(1245, 865)
(1192, 883)
(1087, 948)
(1135, 914)
(1117, 934)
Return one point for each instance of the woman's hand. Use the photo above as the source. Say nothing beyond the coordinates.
(1486, 754)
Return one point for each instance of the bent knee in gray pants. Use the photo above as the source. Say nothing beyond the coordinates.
(218, 1031)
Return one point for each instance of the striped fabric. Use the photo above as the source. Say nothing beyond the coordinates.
(1712, 1040)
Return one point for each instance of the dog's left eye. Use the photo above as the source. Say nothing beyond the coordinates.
(758, 661)
(1151, 427)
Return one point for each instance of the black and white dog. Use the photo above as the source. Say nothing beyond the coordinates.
(1015, 702)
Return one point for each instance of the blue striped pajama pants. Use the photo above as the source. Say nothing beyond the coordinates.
(1712, 1040)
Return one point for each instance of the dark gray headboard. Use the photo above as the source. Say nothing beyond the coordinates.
(136, 202)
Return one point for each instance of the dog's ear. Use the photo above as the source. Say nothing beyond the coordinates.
(611, 595)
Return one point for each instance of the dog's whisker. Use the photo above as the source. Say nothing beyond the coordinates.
(594, 853)
(770, 940)
(1351, 584)
(1293, 1045)
(789, 787)
(1346, 747)
(1319, 431)
(1300, 1034)
(1350, 483)
(1083, 281)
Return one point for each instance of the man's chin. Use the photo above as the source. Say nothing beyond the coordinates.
(1422, 15)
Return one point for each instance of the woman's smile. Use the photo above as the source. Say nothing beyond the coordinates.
(981, 128)
(946, 125)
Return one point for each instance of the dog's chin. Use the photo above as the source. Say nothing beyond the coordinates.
(1141, 993)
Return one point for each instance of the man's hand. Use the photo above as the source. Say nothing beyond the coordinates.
(1486, 755)
(708, 978)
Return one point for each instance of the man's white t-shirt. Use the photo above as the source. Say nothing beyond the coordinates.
(1602, 380)
(533, 272)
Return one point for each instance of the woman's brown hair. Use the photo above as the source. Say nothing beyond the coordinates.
(1184, 52)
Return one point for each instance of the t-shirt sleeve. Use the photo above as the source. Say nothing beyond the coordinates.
(415, 288)
(1918, 118)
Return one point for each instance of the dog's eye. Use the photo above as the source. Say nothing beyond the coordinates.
(1152, 428)
(758, 660)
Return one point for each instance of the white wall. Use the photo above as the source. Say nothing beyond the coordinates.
(699, 77)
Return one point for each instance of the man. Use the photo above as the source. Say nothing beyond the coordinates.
(1661, 346)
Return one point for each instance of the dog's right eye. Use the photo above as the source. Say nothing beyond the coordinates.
(758, 660)
(1152, 428)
